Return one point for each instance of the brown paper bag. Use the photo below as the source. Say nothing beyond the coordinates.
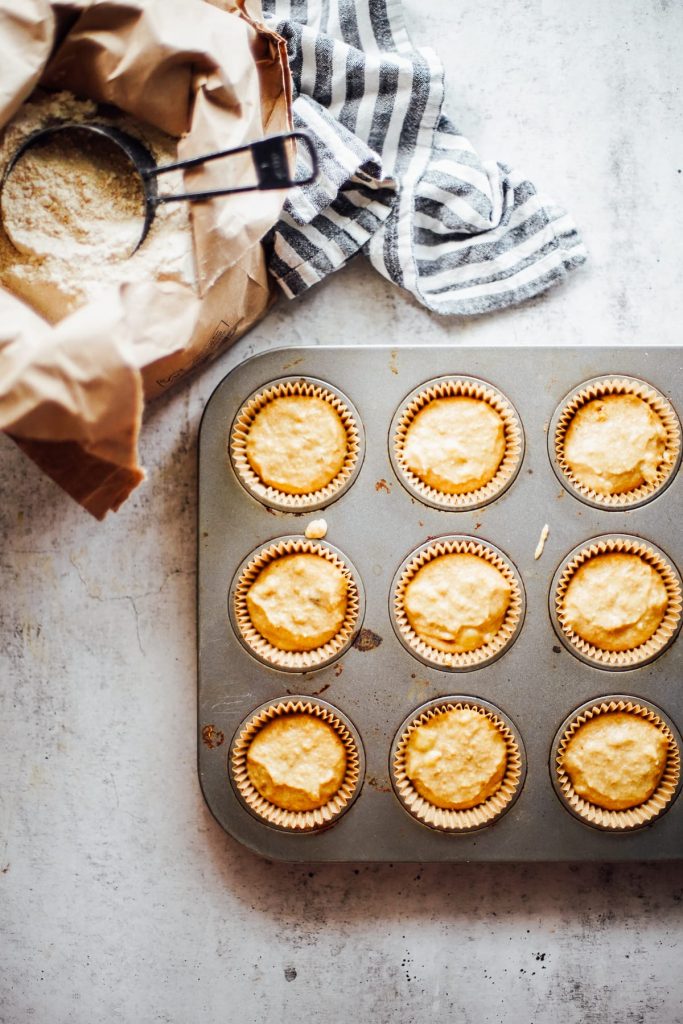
(72, 394)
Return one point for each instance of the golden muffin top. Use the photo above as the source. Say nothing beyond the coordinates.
(615, 444)
(455, 445)
(615, 601)
(615, 760)
(457, 759)
(298, 602)
(297, 762)
(297, 443)
(457, 602)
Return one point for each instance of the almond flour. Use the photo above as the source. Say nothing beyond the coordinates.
(73, 195)
(72, 211)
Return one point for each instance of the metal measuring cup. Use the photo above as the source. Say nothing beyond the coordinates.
(269, 157)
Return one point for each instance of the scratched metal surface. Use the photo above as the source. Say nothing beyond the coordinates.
(376, 523)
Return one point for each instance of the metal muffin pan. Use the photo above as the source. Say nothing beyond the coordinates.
(378, 683)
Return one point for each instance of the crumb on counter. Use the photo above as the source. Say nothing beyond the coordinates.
(316, 529)
(541, 541)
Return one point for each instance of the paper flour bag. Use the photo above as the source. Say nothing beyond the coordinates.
(88, 331)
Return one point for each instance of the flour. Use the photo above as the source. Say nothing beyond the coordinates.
(74, 196)
(73, 211)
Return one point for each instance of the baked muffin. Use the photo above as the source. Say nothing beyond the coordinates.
(457, 602)
(455, 445)
(615, 443)
(296, 443)
(616, 760)
(298, 602)
(457, 759)
(297, 762)
(615, 601)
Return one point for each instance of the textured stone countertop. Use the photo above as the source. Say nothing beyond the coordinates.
(121, 898)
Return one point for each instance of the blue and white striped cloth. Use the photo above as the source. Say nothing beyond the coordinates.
(398, 181)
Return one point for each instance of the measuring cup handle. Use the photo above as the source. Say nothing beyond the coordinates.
(270, 161)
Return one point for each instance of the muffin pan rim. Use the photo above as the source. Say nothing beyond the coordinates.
(603, 506)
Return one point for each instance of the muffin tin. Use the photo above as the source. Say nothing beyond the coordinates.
(377, 684)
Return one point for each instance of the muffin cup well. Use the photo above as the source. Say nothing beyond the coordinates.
(632, 817)
(668, 628)
(278, 817)
(599, 387)
(456, 387)
(472, 818)
(467, 660)
(272, 496)
(262, 649)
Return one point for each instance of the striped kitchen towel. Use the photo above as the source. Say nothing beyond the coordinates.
(398, 181)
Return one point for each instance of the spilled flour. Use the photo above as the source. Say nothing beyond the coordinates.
(72, 211)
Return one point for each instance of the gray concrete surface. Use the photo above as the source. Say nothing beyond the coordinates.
(121, 900)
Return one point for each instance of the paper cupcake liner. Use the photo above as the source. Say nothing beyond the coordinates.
(667, 629)
(473, 817)
(278, 817)
(598, 388)
(272, 496)
(262, 649)
(466, 660)
(455, 387)
(631, 817)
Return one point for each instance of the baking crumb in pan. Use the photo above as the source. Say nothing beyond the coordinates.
(316, 529)
(538, 550)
